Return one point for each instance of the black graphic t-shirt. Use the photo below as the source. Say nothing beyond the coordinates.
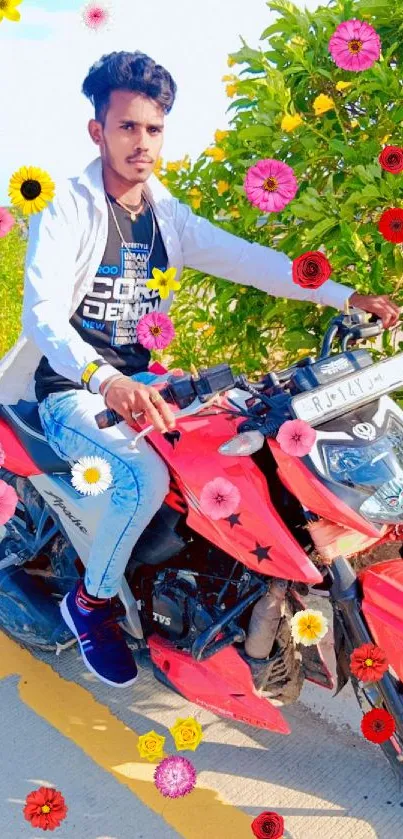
(110, 311)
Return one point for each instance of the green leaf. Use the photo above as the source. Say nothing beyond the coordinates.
(253, 131)
(319, 231)
(296, 68)
(359, 247)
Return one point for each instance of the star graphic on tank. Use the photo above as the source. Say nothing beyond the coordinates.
(261, 552)
(233, 519)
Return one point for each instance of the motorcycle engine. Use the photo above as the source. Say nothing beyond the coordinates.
(177, 613)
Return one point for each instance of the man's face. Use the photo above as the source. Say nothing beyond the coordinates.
(130, 141)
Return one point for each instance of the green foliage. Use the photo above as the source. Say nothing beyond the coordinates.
(342, 187)
(12, 257)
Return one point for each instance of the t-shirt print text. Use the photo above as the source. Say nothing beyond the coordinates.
(121, 300)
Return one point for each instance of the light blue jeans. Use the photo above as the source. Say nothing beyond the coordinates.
(140, 479)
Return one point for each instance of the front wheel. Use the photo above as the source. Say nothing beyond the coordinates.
(369, 697)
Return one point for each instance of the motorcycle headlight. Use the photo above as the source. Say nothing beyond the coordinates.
(375, 469)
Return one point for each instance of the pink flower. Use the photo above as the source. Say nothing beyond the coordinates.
(96, 15)
(175, 776)
(7, 221)
(219, 499)
(270, 185)
(296, 437)
(155, 331)
(2, 455)
(8, 502)
(355, 45)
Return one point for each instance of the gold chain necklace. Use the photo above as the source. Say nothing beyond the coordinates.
(120, 232)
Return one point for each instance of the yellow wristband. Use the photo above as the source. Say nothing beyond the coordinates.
(90, 369)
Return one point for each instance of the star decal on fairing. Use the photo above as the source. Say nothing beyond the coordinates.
(233, 519)
(261, 552)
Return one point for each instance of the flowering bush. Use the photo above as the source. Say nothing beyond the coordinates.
(291, 102)
(340, 131)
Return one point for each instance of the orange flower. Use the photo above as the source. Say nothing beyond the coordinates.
(45, 808)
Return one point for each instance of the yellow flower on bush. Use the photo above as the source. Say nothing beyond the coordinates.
(222, 186)
(298, 40)
(354, 123)
(158, 166)
(234, 212)
(187, 734)
(198, 324)
(230, 61)
(323, 103)
(219, 136)
(290, 122)
(151, 746)
(343, 85)
(209, 331)
(216, 153)
(196, 197)
(174, 166)
(385, 138)
(231, 90)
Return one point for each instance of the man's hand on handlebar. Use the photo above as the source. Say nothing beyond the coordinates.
(379, 305)
(127, 398)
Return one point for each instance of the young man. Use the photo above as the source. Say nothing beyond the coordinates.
(90, 254)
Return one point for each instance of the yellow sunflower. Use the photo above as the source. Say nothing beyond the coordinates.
(8, 10)
(31, 189)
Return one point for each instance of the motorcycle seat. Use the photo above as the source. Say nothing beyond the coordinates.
(24, 420)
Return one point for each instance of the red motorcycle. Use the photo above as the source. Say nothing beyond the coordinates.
(212, 600)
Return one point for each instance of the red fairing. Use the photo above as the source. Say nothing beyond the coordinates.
(16, 458)
(314, 495)
(257, 536)
(382, 605)
(222, 683)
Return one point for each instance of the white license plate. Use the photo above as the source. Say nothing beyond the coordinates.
(357, 388)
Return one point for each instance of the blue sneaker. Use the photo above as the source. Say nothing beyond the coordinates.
(101, 640)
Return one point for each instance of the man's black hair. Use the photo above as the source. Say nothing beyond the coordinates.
(133, 71)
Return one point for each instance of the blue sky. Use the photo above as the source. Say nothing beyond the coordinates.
(46, 56)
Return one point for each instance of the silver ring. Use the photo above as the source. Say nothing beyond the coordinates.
(140, 414)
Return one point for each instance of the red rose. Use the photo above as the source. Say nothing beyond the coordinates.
(391, 225)
(391, 159)
(268, 826)
(368, 663)
(45, 808)
(311, 269)
(378, 725)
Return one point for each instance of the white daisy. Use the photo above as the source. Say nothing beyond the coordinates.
(91, 475)
(97, 15)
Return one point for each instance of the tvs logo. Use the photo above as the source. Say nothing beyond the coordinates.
(365, 431)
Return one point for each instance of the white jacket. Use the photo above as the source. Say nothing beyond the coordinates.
(65, 248)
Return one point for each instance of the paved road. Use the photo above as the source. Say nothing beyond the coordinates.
(61, 727)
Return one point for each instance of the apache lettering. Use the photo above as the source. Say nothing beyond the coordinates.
(58, 502)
